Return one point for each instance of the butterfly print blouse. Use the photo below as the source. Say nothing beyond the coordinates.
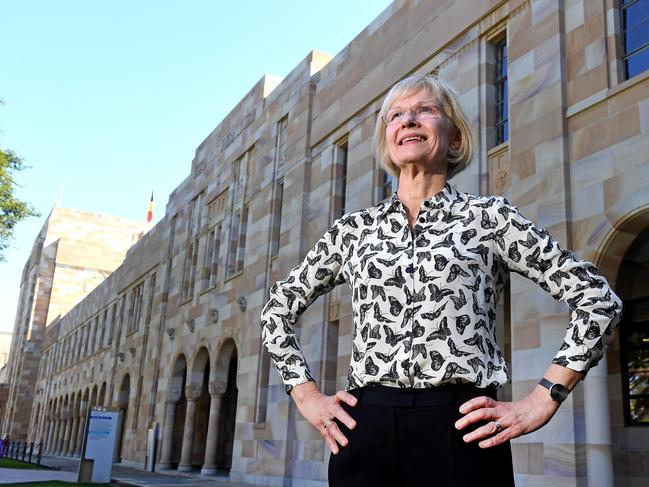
(424, 299)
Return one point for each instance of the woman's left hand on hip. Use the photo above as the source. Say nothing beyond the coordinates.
(506, 420)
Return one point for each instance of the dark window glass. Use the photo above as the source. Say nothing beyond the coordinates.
(635, 36)
(500, 85)
(635, 359)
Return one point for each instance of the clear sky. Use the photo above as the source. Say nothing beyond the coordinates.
(108, 100)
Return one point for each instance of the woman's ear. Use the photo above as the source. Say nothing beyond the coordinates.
(454, 138)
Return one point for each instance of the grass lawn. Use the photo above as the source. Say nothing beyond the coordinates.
(11, 463)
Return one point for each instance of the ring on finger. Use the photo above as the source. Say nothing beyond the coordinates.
(498, 426)
(327, 423)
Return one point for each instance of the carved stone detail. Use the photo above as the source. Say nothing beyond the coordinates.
(216, 387)
(191, 324)
(241, 301)
(214, 315)
(193, 391)
(171, 333)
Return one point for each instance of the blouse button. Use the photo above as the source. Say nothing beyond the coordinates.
(422, 220)
(427, 204)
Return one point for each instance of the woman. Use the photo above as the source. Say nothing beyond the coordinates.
(426, 269)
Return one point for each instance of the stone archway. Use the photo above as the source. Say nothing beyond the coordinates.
(228, 417)
(223, 406)
(174, 420)
(196, 416)
(123, 399)
(628, 359)
(617, 250)
(64, 431)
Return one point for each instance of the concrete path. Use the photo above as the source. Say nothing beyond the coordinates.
(67, 468)
(18, 475)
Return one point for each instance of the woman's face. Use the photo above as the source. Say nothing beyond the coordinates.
(422, 141)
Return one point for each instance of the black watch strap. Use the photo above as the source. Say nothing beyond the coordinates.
(558, 392)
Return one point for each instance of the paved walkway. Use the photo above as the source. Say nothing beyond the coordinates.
(125, 476)
(17, 475)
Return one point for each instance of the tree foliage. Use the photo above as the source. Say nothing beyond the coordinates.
(12, 210)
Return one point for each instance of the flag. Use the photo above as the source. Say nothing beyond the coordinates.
(149, 215)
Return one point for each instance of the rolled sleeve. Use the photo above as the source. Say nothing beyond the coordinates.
(319, 272)
(595, 308)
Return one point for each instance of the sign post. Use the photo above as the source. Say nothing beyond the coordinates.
(98, 445)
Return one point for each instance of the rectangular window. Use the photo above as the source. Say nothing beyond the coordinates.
(234, 238)
(501, 117)
(340, 177)
(102, 336)
(95, 332)
(149, 307)
(111, 326)
(241, 246)
(635, 36)
(282, 132)
(135, 310)
(211, 264)
(240, 172)
(193, 232)
(387, 186)
(277, 218)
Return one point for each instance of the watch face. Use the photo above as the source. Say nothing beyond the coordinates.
(559, 392)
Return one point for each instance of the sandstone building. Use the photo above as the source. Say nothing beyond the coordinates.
(558, 92)
(72, 254)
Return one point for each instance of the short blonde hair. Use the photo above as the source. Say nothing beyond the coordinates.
(458, 159)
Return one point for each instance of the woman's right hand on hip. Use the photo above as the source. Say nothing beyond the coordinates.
(317, 408)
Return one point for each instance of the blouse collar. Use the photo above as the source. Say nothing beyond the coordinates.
(444, 199)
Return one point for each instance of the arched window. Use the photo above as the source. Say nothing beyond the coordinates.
(634, 330)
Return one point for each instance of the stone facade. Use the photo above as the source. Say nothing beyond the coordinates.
(172, 337)
(73, 253)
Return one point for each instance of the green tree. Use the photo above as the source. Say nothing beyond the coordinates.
(12, 210)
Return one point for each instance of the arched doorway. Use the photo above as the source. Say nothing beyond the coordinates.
(227, 419)
(174, 421)
(123, 398)
(197, 413)
(624, 261)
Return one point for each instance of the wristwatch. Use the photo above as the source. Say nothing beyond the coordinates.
(558, 392)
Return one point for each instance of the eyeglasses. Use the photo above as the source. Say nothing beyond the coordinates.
(420, 112)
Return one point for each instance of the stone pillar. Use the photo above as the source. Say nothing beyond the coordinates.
(50, 433)
(61, 439)
(216, 389)
(51, 448)
(73, 434)
(68, 431)
(599, 458)
(168, 434)
(83, 412)
(192, 393)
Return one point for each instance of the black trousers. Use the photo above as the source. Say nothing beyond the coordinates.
(407, 438)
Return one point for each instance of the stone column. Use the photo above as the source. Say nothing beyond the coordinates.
(216, 389)
(61, 439)
(83, 412)
(168, 434)
(192, 393)
(50, 433)
(73, 434)
(51, 448)
(599, 458)
(68, 430)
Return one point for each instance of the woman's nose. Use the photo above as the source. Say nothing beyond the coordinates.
(409, 118)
